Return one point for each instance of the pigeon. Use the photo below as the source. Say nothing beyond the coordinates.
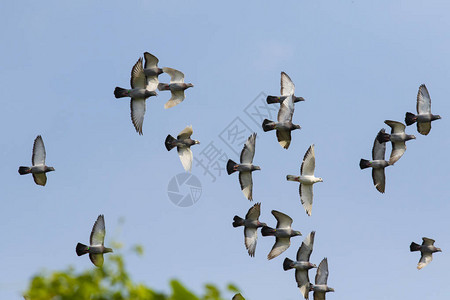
(283, 234)
(398, 137)
(306, 179)
(245, 168)
(96, 248)
(151, 71)
(320, 287)
(38, 168)
(284, 125)
(424, 115)
(251, 224)
(302, 265)
(426, 249)
(377, 163)
(183, 142)
(176, 87)
(287, 88)
(138, 93)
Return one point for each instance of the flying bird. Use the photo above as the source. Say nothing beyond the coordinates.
(38, 168)
(320, 287)
(151, 71)
(183, 142)
(284, 126)
(138, 93)
(96, 248)
(377, 163)
(398, 137)
(426, 249)
(287, 88)
(176, 87)
(251, 225)
(302, 264)
(282, 233)
(424, 115)
(246, 167)
(306, 179)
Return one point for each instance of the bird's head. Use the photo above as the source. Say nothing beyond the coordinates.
(297, 126)
(411, 137)
(49, 169)
(261, 224)
(312, 265)
(189, 85)
(330, 289)
(256, 168)
(196, 142)
(438, 250)
(296, 232)
(319, 179)
(107, 250)
(150, 93)
(436, 117)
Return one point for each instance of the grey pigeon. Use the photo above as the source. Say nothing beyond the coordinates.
(38, 168)
(176, 87)
(424, 115)
(287, 88)
(302, 264)
(378, 163)
(138, 93)
(283, 234)
(96, 248)
(183, 142)
(251, 225)
(151, 71)
(284, 125)
(320, 287)
(398, 137)
(426, 249)
(307, 179)
(246, 167)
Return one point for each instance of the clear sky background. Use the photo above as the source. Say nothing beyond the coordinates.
(357, 63)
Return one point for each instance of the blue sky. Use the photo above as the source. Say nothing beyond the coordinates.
(356, 63)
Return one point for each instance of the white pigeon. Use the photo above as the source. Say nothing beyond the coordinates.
(307, 179)
(176, 87)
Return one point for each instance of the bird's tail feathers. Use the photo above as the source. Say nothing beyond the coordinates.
(163, 87)
(268, 125)
(287, 264)
(238, 221)
(414, 247)
(273, 99)
(291, 178)
(266, 231)
(410, 118)
(82, 249)
(383, 137)
(24, 170)
(364, 163)
(230, 166)
(120, 92)
(170, 142)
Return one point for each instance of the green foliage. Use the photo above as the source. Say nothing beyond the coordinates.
(112, 282)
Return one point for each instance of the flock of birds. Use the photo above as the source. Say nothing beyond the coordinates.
(144, 83)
